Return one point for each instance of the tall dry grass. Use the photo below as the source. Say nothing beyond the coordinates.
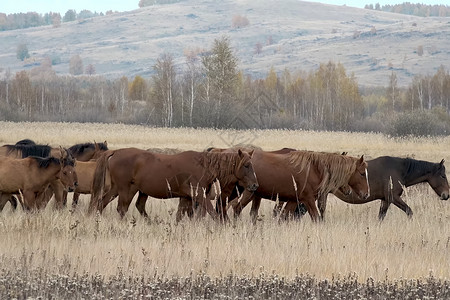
(350, 241)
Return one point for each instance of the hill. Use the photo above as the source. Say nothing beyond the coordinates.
(291, 34)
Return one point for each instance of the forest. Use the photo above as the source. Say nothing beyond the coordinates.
(209, 90)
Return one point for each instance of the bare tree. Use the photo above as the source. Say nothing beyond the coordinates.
(164, 86)
(76, 65)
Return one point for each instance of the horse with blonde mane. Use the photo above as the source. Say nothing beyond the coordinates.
(303, 177)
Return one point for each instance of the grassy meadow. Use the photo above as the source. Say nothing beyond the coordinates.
(58, 248)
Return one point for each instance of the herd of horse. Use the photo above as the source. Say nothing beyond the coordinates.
(298, 180)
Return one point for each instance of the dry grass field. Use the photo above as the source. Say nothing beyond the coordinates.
(68, 254)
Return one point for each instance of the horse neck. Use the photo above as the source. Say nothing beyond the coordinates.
(49, 173)
(336, 174)
(417, 171)
(219, 168)
(55, 152)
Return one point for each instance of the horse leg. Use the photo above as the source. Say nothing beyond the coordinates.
(256, 203)
(13, 201)
(76, 197)
(310, 204)
(322, 205)
(125, 198)
(383, 209)
(64, 198)
(103, 202)
(221, 209)
(246, 197)
(288, 210)
(140, 204)
(397, 201)
(4, 198)
(277, 209)
(58, 189)
(185, 206)
(29, 200)
(206, 204)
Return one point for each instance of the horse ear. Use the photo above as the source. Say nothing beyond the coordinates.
(240, 152)
(344, 153)
(361, 160)
(442, 162)
(251, 152)
(106, 143)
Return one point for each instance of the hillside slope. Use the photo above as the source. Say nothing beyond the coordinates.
(301, 35)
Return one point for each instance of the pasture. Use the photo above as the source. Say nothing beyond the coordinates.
(57, 248)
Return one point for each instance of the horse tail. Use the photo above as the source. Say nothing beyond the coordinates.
(98, 183)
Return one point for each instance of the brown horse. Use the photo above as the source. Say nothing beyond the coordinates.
(85, 152)
(388, 175)
(88, 151)
(32, 175)
(85, 172)
(27, 147)
(303, 177)
(188, 174)
(221, 204)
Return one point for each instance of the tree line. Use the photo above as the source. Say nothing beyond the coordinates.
(415, 9)
(34, 19)
(209, 90)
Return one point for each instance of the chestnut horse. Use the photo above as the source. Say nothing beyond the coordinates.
(388, 175)
(303, 177)
(32, 175)
(221, 204)
(188, 174)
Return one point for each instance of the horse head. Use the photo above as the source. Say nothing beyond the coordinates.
(438, 180)
(67, 175)
(359, 179)
(244, 171)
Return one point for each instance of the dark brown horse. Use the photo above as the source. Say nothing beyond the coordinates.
(303, 177)
(32, 175)
(188, 174)
(388, 175)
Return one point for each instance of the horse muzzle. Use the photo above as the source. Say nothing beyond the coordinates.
(365, 196)
(347, 192)
(444, 196)
(252, 187)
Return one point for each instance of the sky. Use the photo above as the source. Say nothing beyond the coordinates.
(61, 6)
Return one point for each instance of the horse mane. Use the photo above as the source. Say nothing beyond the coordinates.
(26, 142)
(335, 169)
(220, 165)
(414, 165)
(30, 149)
(45, 162)
(80, 148)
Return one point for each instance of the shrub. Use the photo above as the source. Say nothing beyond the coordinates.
(240, 21)
(22, 52)
(417, 123)
(420, 50)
